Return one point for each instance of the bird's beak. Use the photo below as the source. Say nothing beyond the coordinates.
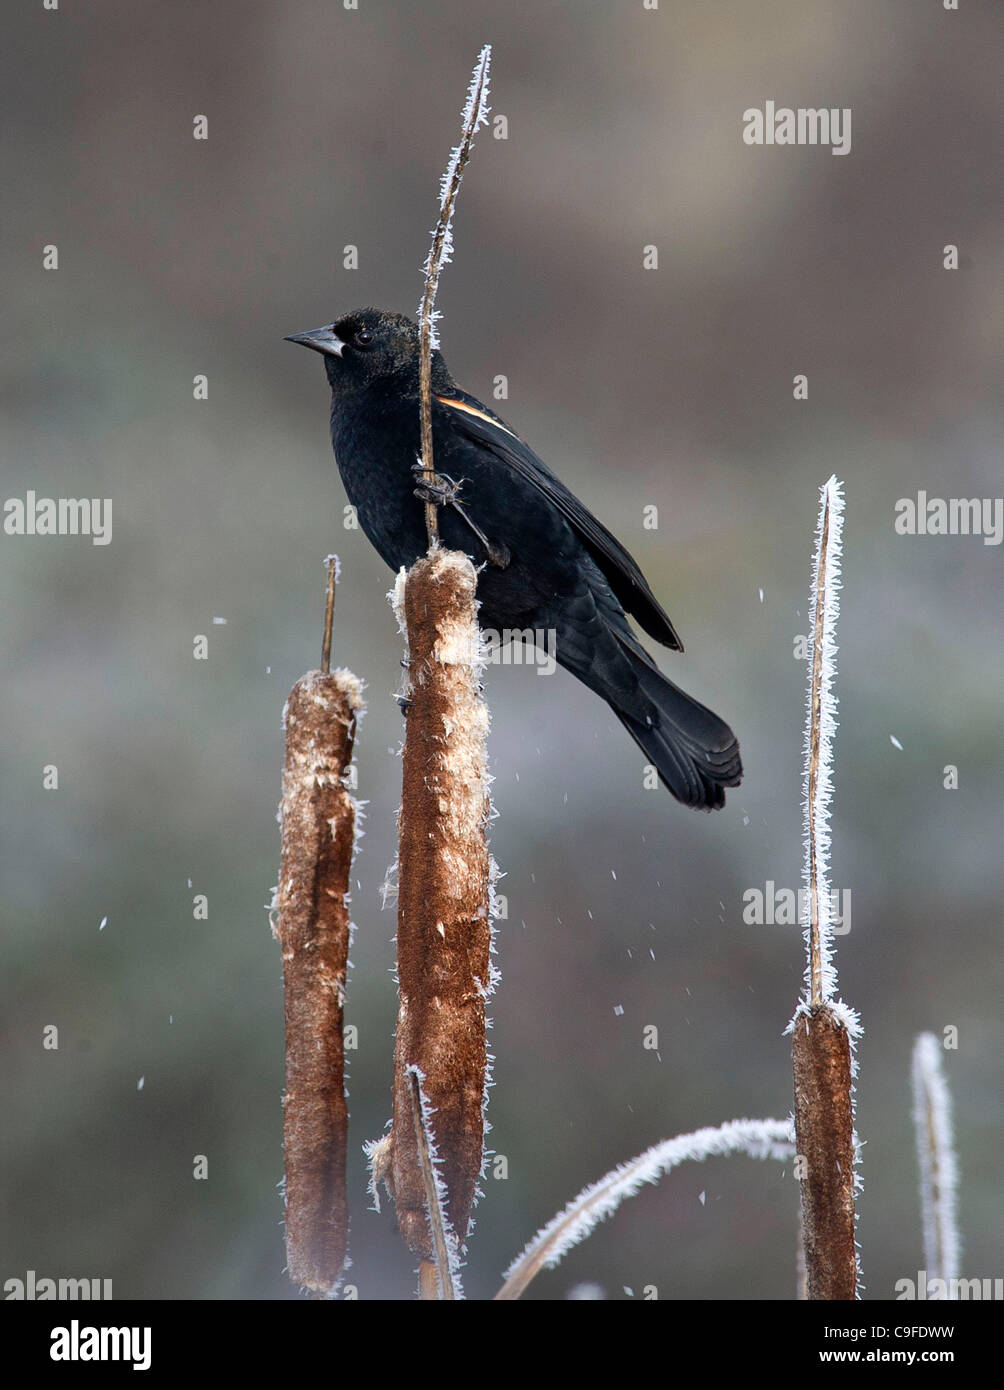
(320, 339)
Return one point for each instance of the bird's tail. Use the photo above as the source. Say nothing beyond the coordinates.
(696, 753)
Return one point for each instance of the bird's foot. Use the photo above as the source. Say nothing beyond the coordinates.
(437, 488)
(445, 492)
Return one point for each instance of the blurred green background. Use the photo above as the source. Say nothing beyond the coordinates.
(673, 387)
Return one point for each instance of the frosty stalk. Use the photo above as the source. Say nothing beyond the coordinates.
(757, 1138)
(823, 1029)
(932, 1117)
(475, 114)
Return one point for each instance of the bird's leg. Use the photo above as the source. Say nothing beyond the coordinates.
(498, 554)
(446, 493)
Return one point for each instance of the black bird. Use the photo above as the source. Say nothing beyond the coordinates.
(547, 563)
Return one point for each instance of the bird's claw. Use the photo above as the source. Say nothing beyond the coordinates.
(444, 492)
(436, 487)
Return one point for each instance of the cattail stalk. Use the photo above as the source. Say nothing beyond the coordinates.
(932, 1118)
(439, 1279)
(823, 1029)
(318, 817)
(757, 1138)
(475, 114)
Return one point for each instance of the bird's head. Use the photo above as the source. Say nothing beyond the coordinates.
(368, 345)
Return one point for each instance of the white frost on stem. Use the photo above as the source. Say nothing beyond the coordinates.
(758, 1138)
(820, 727)
(443, 1238)
(932, 1118)
(475, 115)
(817, 780)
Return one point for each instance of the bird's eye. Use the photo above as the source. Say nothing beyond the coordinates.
(362, 338)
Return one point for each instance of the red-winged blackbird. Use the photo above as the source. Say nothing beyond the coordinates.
(547, 563)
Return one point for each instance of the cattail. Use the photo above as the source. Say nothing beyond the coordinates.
(444, 896)
(827, 1148)
(318, 816)
(433, 1157)
(823, 1029)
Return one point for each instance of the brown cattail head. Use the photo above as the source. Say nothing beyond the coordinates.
(445, 880)
(824, 1139)
(318, 817)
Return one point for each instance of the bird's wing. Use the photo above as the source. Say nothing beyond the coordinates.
(471, 418)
